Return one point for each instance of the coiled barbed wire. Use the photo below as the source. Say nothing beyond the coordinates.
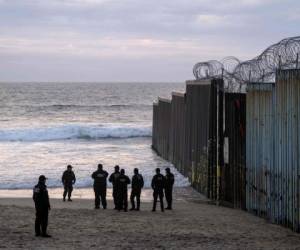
(282, 55)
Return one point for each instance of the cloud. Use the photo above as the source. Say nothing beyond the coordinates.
(156, 31)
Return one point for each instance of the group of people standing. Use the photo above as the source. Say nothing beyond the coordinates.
(161, 185)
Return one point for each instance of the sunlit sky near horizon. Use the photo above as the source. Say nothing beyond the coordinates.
(134, 40)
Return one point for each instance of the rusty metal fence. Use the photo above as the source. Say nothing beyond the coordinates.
(260, 136)
(177, 131)
(196, 138)
(273, 134)
(239, 149)
(285, 205)
(161, 127)
(233, 171)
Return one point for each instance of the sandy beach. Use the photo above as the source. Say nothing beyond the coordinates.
(193, 224)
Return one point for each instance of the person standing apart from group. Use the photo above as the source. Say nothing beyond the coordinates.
(42, 207)
(122, 191)
(137, 183)
(169, 182)
(100, 177)
(113, 178)
(158, 184)
(68, 179)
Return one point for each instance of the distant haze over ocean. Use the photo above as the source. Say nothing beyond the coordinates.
(45, 126)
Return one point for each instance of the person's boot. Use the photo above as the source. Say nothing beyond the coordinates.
(64, 199)
(131, 209)
(46, 235)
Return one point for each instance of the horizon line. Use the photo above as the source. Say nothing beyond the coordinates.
(35, 81)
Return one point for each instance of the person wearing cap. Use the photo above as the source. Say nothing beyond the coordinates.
(112, 178)
(137, 183)
(169, 187)
(158, 184)
(122, 192)
(68, 179)
(42, 207)
(100, 177)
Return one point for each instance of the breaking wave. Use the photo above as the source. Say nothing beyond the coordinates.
(67, 132)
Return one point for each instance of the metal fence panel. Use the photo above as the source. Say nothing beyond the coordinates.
(259, 149)
(286, 154)
(177, 135)
(234, 171)
(161, 129)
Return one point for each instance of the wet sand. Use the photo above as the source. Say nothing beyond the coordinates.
(193, 224)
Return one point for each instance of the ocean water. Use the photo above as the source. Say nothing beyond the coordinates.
(45, 126)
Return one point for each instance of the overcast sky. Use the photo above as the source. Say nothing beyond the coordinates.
(134, 40)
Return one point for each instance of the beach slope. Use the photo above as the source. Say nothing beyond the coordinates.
(193, 224)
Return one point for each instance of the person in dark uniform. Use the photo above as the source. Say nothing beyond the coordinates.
(112, 179)
(137, 183)
(121, 184)
(42, 207)
(68, 179)
(169, 187)
(100, 177)
(158, 184)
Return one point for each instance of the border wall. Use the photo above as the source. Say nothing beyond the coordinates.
(241, 150)
(286, 169)
(233, 172)
(260, 131)
(196, 139)
(273, 136)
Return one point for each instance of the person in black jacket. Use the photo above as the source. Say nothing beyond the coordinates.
(121, 185)
(42, 207)
(100, 177)
(169, 187)
(137, 183)
(68, 179)
(158, 184)
(112, 178)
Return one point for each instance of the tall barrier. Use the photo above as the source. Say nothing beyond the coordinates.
(161, 127)
(285, 185)
(177, 131)
(242, 150)
(260, 136)
(189, 132)
(273, 136)
(233, 172)
(155, 127)
(192, 140)
(202, 137)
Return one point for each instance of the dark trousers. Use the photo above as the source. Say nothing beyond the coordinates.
(122, 200)
(41, 221)
(135, 193)
(115, 196)
(68, 190)
(160, 194)
(169, 196)
(100, 194)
